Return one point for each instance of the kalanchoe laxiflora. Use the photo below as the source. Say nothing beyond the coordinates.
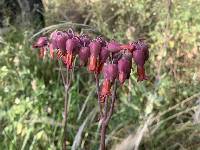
(110, 73)
(124, 67)
(104, 54)
(95, 48)
(57, 42)
(61, 43)
(41, 43)
(84, 54)
(95, 53)
(113, 58)
(140, 56)
(72, 46)
(53, 43)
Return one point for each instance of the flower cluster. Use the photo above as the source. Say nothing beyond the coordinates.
(112, 59)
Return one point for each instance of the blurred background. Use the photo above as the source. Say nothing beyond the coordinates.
(161, 113)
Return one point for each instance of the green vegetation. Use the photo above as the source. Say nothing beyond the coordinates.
(161, 113)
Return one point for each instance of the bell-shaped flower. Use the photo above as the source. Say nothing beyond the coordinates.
(71, 46)
(110, 73)
(140, 56)
(124, 68)
(41, 43)
(95, 48)
(58, 42)
(84, 54)
(104, 54)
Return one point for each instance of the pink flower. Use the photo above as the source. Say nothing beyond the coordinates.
(140, 56)
(95, 48)
(84, 55)
(71, 49)
(124, 68)
(110, 73)
(41, 43)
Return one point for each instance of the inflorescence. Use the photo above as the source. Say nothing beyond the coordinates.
(111, 58)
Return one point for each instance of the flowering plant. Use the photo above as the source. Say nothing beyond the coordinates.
(111, 58)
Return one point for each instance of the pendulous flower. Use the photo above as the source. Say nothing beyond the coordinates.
(71, 50)
(84, 54)
(124, 68)
(41, 43)
(58, 42)
(140, 56)
(110, 73)
(95, 48)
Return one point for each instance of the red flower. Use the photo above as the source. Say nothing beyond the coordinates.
(140, 56)
(95, 48)
(84, 55)
(41, 43)
(104, 54)
(71, 46)
(124, 68)
(58, 41)
(110, 73)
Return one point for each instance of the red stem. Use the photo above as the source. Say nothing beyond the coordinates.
(98, 94)
(107, 117)
(103, 137)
